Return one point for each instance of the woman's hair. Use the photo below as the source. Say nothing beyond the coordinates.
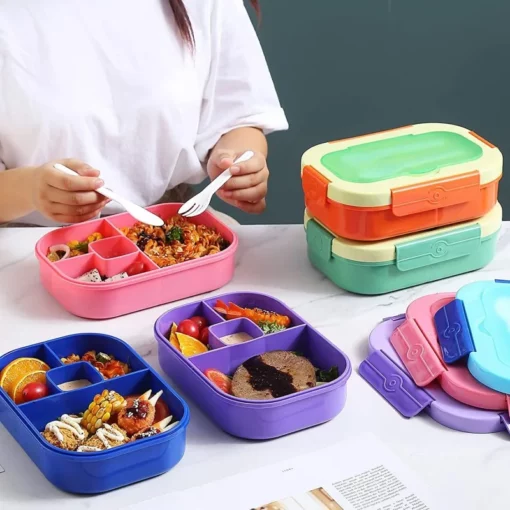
(184, 23)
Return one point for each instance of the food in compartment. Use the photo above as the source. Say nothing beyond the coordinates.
(74, 385)
(106, 364)
(66, 432)
(106, 437)
(110, 421)
(21, 372)
(272, 375)
(157, 428)
(139, 413)
(186, 344)
(178, 240)
(190, 328)
(34, 391)
(94, 276)
(72, 248)
(104, 406)
(219, 379)
(268, 322)
(236, 338)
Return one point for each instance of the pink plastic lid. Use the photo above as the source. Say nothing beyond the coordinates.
(417, 345)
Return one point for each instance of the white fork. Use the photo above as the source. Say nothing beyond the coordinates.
(139, 213)
(199, 203)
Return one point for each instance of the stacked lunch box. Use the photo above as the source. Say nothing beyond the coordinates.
(403, 207)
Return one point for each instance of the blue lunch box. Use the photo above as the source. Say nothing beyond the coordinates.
(98, 471)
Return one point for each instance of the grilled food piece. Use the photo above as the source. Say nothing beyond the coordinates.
(65, 433)
(139, 413)
(106, 437)
(273, 375)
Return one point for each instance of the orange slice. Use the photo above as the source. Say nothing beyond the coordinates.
(37, 376)
(18, 368)
(190, 346)
(173, 338)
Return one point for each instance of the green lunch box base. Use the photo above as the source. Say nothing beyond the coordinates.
(415, 262)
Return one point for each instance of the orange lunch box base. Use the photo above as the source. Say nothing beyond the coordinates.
(378, 223)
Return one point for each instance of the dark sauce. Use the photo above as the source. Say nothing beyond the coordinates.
(265, 377)
(138, 409)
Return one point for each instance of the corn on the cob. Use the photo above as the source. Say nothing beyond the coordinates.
(101, 409)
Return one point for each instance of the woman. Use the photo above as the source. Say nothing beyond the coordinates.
(147, 96)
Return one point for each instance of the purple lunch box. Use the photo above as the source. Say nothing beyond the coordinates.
(253, 419)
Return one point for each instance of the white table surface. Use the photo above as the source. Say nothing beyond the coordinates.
(271, 259)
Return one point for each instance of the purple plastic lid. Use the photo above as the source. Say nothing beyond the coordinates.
(442, 408)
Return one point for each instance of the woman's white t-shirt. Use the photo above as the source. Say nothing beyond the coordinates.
(112, 83)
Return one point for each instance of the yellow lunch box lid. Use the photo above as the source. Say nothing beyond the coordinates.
(368, 170)
(384, 251)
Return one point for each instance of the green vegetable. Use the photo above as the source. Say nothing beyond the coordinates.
(83, 247)
(297, 353)
(326, 375)
(101, 357)
(174, 234)
(270, 327)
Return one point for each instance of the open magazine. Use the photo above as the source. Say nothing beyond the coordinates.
(358, 474)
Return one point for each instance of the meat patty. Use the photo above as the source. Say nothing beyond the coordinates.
(272, 375)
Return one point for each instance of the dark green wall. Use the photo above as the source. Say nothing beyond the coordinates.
(347, 67)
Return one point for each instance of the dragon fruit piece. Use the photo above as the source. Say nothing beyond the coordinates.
(116, 277)
(92, 276)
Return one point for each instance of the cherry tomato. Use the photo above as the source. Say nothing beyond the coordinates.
(201, 322)
(135, 268)
(204, 336)
(34, 391)
(188, 327)
(222, 381)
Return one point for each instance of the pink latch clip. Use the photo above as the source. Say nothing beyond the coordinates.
(416, 353)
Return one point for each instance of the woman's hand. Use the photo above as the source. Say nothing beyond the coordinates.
(247, 189)
(66, 198)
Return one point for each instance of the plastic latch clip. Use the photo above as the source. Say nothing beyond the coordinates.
(394, 385)
(453, 332)
(319, 240)
(315, 188)
(439, 248)
(435, 194)
(420, 359)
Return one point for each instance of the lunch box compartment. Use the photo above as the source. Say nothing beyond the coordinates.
(303, 340)
(78, 232)
(93, 472)
(255, 300)
(196, 309)
(78, 266)
(386, 266)
(150, 288)
(251, 419)
(81, 343)
(397, 182)
(74, 372)
(231, 327)
(114, 247)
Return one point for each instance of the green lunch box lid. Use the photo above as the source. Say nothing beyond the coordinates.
(366, 170)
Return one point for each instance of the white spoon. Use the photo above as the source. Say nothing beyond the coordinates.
(139, 213)
(199, 203)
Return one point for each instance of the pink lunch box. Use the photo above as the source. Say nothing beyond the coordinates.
(114, 253)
